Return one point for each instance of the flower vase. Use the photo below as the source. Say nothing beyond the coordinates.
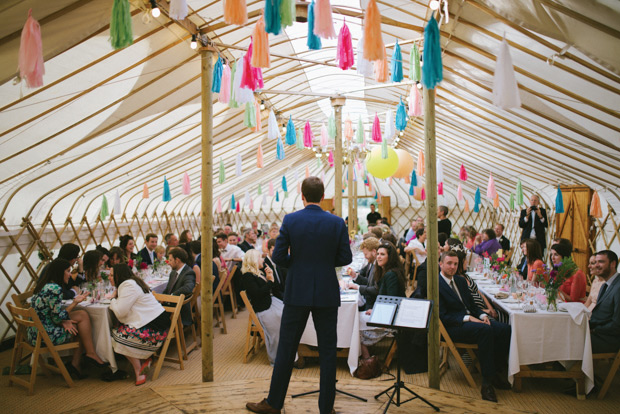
(552, 299)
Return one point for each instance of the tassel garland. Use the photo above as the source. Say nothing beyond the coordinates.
(273, 24)
(299, 139)
(307, 135)
(401, 116)
(145, 191)
(381, 69)
(287, 13)
(279, 149)
(238, 166)
(466, 208)
(224, 96)
(166, 195)
(344, 52)
(439, 170)
(271, 190)
(414, 179)
(331, 127)
(233, 205)
(559, 202)
(259, 157)
(249, 117)
(222, 175)
(216, 83)
(477, 201)
(185, 187)
(505, 87)
(384, 150)
(390, 131)
(415, 102)
(421, 166)
(595, 206)
(178, 9)
(117, 203)
(323, 23)
(415, 71)
(432, 71)
(496, 201)
(364, 66)
(396, 64)
(423, 194)
(330, 159)
(374, 48)
(290, 132)
(463, 173)
(376, 130)
(360, 131)
(235, 12)
(491, 187)
(323, 136)
(121, 31)
(260, 38)
(519, 193)
(284, 186)
(313, 42)
(258, 115)
(30, 60)
(440, 188)
(273, 130)
(459, 193)
(104, 208)
(348, 129)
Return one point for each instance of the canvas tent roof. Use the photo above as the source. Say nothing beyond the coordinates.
(111, 120)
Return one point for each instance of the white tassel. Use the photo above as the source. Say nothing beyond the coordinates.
(242, 95)
(178, 9)
(273, 130)
(505, 88)
(390, 127)
(439, 177)
(238, 169)
(117, 203)
(364, 67)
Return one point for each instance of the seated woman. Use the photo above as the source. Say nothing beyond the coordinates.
(61, 324)
(486, 243)
(268, 308)
(116, 257)
(390, 278)
(596, 285)
(128, 247)
(144, 322)
(470, 237)
(416, 245)
(186, 237)
(533, 257)
(574, 288)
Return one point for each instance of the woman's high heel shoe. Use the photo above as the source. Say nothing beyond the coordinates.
(142, 381)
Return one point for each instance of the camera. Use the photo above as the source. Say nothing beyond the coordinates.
(534, 208)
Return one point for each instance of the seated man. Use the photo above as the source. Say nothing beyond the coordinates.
(249, 241)
(364, 281)
(171, 240)
(503, 241)
(181, 281)
(605, 319)
(148, 253)
(279, 272)
(466, 323)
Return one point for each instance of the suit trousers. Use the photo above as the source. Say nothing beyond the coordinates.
(602, 344)
(294, 320)
(493, 344)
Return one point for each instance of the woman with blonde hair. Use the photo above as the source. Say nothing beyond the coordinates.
(273, 233)
(258, 282)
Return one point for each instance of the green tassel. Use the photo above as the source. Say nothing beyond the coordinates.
(512, 201)
(300, 139)
(384, 150)
(260, 190)
(232, 103)
(121, 33)
(318, 163)
(104, 208)
(519, 193)
(222, 172)
(415, 72)
(360, 131)
(331, 127)
(287, 13)
(249, 118)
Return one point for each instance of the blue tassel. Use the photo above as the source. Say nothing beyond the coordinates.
(233, 205)
(397, 64)
(166, 196)
(284, 186)
(432, 70)
(277, 196)
(414, 178)
(559, 202)
(376, 196)
(216, 84)
(291, 138)
(273, 23)
(279, 149)
(314, 42)
(411, 187)
(401, 116)
(477, 201)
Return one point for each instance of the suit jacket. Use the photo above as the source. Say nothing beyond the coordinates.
(539, 227)
(279, 278)
(184, 285)
(605, 320)
(146, 257)
(505, 243)
(451, 309)
(368, 287)
(245, 246)
(318, 243)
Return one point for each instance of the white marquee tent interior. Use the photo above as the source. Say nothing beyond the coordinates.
(108, 120)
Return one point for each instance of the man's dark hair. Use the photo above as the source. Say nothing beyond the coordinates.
(222, 236)
(149, 236)
(271, 243)
(312, 189)
(449, 253)
(167, 237)
(490, 233)
(443, 209)
(419, 232)
(69, 251)
(613, 257)
(566, 243)
(441, 238)
(102, 250)
(377, 232)
(178, 253)
(389, 237)
(384, 220)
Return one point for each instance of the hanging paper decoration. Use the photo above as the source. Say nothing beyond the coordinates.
(511, 203)
(360, 131)
(390, 131)
(277, 197)
(331, 127)
(323, 22)
(348, 129)
(491, 187)
(145, 191)
(415, 102)
(432, 71)
(323, 176)
(235, 12)
(178, 9)
(259, 157)
(466, 206)
(382, 71)
(439, 170)
(401, 116)
(344, 52)
(415, 71)
(224, 96)
(477, 200)
(247, 79)
(260, 38)
(384, 150)
(166, 195)
(330, 159)
(238, 165)
(421, 166)
(307, 172)
(396, 65)
(186, 187)
(248, 200)
(241, 95)
(218, 207)
(251, 205)
(284, 186)
(287, 12)
(459, 193)
(290, 132)
(313, 42)
(519, 193)
(440, 188)
(373, 39)
(411, 188)
(307, 135)
(271, 190)
(318, 163)
(505, 87)
(299, 139)
(121, 31)
(376, 130)
(446, 14)
(414, 178)
(279, 150)
(222, 176)
(273, 24)
(273, 130)
(323, 135)
(238, 207)
(257, 111)
(249, 116)
(263, 200)
(104, 208)
(496, 201)
(423, 194)
(559, 202)
(364, 66)
(216, 83)
(260, 190)
(233, 205)
(117, 203)
(595, 206)
(463, 173)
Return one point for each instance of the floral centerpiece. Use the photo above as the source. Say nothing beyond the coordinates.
(498, 263)
(554, 277)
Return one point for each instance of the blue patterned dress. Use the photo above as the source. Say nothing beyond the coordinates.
(48, 305)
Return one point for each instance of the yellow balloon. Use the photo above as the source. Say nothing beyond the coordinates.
(405, 164)
(379, 167)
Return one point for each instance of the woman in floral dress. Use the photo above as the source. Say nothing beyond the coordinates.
(61, 324)
(144, 321)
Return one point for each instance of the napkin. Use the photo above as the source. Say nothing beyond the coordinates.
(576, 310)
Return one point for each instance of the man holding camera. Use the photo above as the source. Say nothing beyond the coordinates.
(533, 221)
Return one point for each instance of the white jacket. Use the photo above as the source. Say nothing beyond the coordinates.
(133, 307)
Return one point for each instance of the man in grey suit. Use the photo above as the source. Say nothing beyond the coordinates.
(181, 281)
(605, 320)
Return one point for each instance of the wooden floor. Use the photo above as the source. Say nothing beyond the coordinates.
(236, 383)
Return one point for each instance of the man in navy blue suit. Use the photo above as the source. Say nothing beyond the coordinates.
(148, 253)
(466, 323)
(311, 244)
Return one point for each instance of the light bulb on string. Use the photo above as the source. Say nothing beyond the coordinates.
(155, 12)
(193, 44)
(434, 4)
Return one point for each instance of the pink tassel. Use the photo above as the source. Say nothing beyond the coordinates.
(440, 189)
(259, 123)
(251, 204)
(247, 80)
(323, 135)
(463, 173)
(145, 191)
(421, 167)
(259, 157)
(323, 22)
(298, 187)
(201, 181)
(376, 130)
(491, 193)
(307, 172)
(423, 194)
(344, 54)
(31, 66)
(238, 206)
(271, 190)
(330, 158)
(348, 129)
(415, 102)
(218, 208)
(307, 135)
(459, 193)
(323, 176)
(390, 181)
(186, 189)
(225, 88)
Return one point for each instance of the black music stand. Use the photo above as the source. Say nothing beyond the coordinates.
(386, 313)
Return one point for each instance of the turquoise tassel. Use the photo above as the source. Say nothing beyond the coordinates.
(277, 196)
(273, 24)
(121, 34)
(477, 201)
(233, 205)
(401, 116)
(432, 71)
(414, 178)
(559, 202)
(279, 149)
(284, 186)
(216, 84)
(397, 64)
(314, 42)
(411, 187)
(166, 196)
(291, 139)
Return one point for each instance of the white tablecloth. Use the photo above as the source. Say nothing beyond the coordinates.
(543, 336)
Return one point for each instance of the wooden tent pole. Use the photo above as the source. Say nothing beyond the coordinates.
(206, 216)
(338, 103)
(351, 201)
(431, 235)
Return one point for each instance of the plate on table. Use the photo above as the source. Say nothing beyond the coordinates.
(501, 295)
(105, 301)
(510, 300)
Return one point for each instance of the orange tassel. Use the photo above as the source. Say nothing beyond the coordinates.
(259, 157)
(421, 168)
(381, 69)
(496, 201)
(466, 206)
(307, 172)
(235, 12)
(348, 129)
(595, 206)
(145, 191)
(374, 48)
(260, 54)
(259, 125)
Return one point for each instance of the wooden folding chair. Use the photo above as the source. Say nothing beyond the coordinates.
(21, 299)
(193, 303)
(411, 260)
(255, 330)
(229, 290)
(26, 318)
(446, 343)
(509, 254)
(218, 304)
(389, 356)
(172, 304)
(612, 371)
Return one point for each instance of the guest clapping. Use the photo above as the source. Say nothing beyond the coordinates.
(486, 243)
